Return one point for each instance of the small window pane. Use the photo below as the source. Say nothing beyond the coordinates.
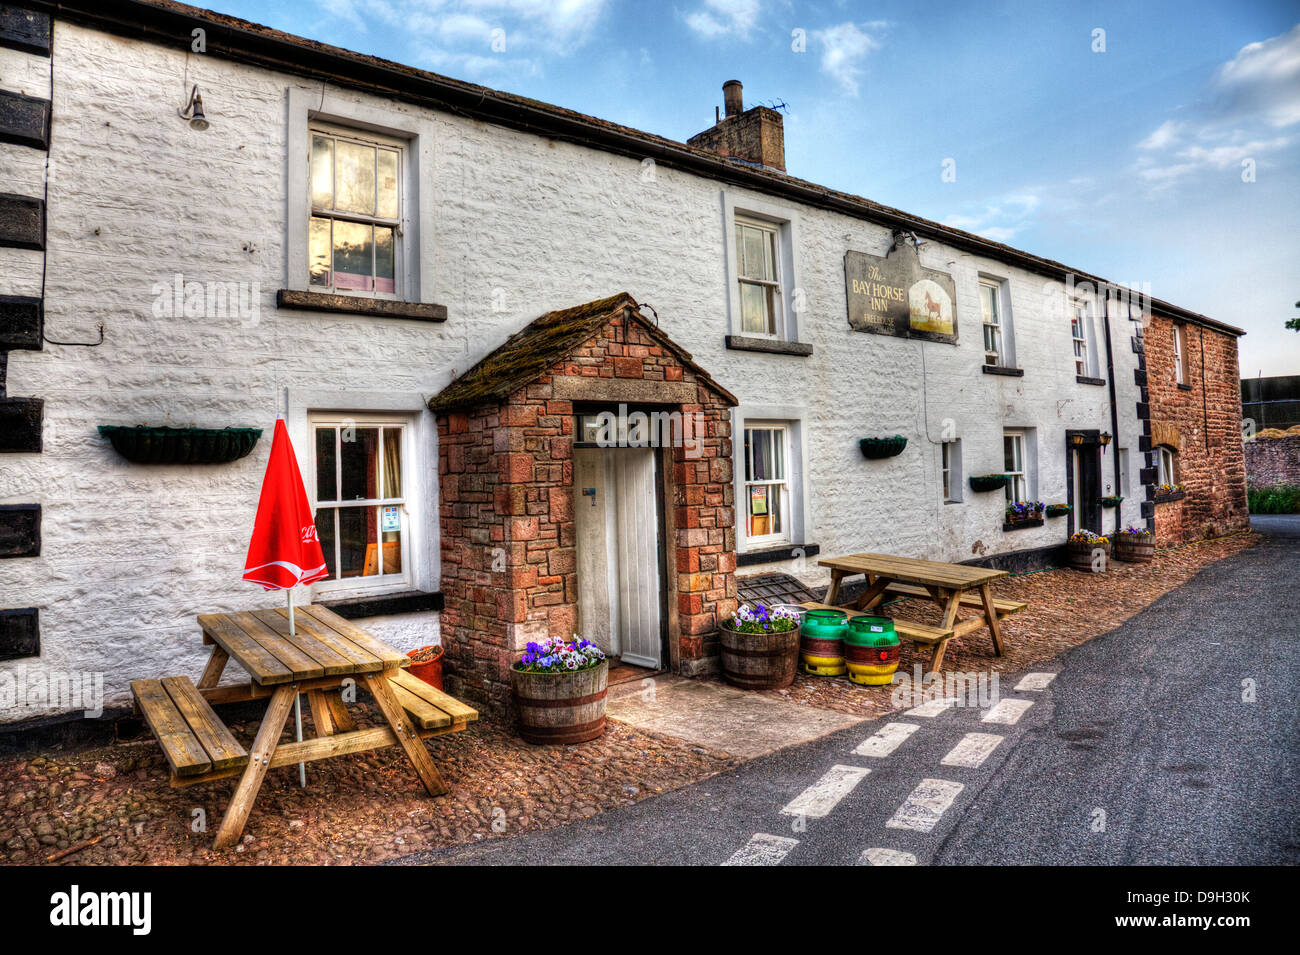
(385, 261)
(392, 462)
(388, 184)
(762, 451)
(325, 517)
(319, 245)
(753, 317)
(326, 474)
(769, 256)
(392, 551)
(355, 181)
(358, 534)
(322, 172)
(753, 267)
(360, 464)
(989, 304)
(353, 255)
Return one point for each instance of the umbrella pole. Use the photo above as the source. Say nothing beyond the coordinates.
(297, 700)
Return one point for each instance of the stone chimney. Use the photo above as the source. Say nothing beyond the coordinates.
(755, 135)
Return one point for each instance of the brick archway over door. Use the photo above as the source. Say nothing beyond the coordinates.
(506, 510)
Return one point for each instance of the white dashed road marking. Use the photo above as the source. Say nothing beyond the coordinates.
(887, 739)
(973, 749)
(1035, 681)
(886, 857)
(762, 849)
(822, 796)
(933, 707)
(1007, 711)
(925, 806)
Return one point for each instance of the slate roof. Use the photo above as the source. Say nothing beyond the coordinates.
(527, 354)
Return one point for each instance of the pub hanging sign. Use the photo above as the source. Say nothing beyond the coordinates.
(895, 295)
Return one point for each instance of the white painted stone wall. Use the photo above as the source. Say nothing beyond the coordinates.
(521, 225)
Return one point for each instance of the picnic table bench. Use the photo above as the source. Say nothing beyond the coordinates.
(323, 651)
(950, 586)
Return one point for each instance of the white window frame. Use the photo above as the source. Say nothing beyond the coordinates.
(340, 133)
(1180, 348)
(950, 471)
(776, 316)
(784, 535)
(1166, 465)
(786, 222)
(364, 117)
(380, 583)
(1020, 477)
(997, 326)
(1080, 320)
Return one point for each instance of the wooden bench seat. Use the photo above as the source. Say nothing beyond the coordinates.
(969, 599)
(431, 708)
(193, 739)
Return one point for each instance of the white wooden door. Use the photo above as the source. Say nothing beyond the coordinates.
(637, 617)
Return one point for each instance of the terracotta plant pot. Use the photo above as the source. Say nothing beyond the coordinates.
(428, 670)
(759, 661)
(564, 707)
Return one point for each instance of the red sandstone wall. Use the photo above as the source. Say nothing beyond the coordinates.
(1272, 461)
(1206, 417)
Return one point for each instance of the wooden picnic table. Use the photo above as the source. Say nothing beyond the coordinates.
(951, 586)
(320, 656)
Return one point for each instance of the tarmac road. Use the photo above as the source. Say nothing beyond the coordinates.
(1172, 739)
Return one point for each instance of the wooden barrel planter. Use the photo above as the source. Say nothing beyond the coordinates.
(759, 661)
(1080, 555)
(1135, 548)
(566, 707)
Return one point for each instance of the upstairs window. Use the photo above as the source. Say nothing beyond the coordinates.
(950, 468)
(1079, 335)
(758, 248)
(991, 310)
(767, 485)
(1180, 356)
(355, 229)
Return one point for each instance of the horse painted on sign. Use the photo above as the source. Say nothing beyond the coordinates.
(933, 309)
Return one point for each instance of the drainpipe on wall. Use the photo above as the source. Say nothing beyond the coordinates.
(1114, 411)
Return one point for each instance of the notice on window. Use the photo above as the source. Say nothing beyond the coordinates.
(391, 519)
(758, 500)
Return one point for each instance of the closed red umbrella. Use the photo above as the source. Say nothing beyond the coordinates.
(285, 550)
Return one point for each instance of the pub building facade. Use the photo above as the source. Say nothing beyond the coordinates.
(543, 374)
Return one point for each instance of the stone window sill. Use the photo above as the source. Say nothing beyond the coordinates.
(768, 555)
(1085, 380)
(1184, 387)
(770, 346)
(408, 601)
(1022, 525)
(1003, 370)
(357, 305)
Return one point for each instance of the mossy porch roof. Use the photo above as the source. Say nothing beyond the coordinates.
(530, 352)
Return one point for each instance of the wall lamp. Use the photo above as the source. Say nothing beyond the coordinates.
(193, 111)
(1105, 438)
(1077, 440)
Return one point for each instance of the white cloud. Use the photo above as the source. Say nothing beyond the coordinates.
(1250, 99)
(844, 51)
(999, 219)
(735, 18)
(456, 36)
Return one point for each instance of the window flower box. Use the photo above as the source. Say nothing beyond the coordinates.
(1022, 512)
(876, 448)
(1057, 510)
(988, 482)
(1168, 492)
(167, 445)
(1112, 500)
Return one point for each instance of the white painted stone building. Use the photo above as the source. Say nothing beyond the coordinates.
(507, 209)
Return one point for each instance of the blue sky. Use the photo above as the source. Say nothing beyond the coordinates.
(1125, 161)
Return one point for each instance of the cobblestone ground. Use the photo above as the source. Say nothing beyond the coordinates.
(363, 808)
(369, 807)
(1066, 608)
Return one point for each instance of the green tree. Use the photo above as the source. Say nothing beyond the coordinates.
(1294, 323)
